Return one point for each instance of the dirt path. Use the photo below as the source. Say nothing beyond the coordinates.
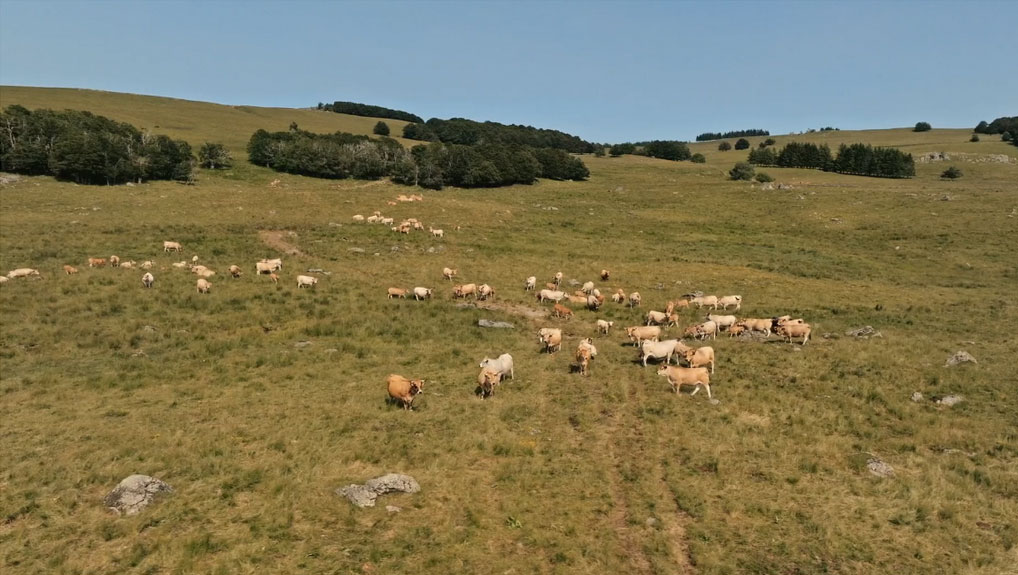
(277, 240)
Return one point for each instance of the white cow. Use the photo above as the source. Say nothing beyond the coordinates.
(306, 281)
(147, 280)
(422, 293)
(503, 365)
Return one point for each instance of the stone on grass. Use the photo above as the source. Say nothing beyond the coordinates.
(879, 468)
(950, 400)
(365, 495)
(917, 397)
(864, 332)
(960, 357)
(134, 493)
(494, 324)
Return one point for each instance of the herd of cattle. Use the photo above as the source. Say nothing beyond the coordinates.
(700, 362)
(647, 338)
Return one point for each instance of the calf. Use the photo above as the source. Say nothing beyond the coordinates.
(603, 326)
(396, 293)
(203, 285)
(700, 357)
(70, 270)
(561, 311)
(96, 262)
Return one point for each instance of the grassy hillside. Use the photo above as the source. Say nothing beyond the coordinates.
(557, 473)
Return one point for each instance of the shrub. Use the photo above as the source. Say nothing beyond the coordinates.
(381, 128)
(742, 171)
(974, 138)
(1006, 136)
(764, 178)
(698, 158)
(951, 173)
(741, 144)
(214, 156)
(922, 127)
(667, 150)
(724, 146)
(763, 157)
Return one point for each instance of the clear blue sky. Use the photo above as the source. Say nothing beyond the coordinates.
(605, 71)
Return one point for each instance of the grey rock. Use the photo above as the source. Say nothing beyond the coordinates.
(950, 400)
(356, 250)
(301, 344)
(574, 282)
(431, 250)
(917, 397)
(651, 522)
(366, 494)
(148, 329)
(864, 332)
(135, 493)
(393, 509)
(495, 324)
(879, 468)
(394, 249)
(960, 357)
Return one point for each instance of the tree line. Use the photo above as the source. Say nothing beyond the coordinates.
(355, 109)
(706, 136)
(663, 149)
(85, 148)
(855, 159)
(469, 133)
(999, 126)
(433, 165)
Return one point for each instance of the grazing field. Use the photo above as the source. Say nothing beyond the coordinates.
(220, 396)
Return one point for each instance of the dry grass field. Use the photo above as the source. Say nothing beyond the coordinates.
(557, 473)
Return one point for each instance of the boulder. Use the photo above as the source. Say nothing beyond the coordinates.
(879, 468)
(365, 495)
(494, 324)
(135, 493)
(960, 357)
(949, 400)
(864, 332)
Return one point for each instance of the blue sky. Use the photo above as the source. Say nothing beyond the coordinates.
(605, 71)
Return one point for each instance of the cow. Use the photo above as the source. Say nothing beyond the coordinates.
(171, 246)
(485, 291)
(403, 390)
(723, 321)
(594, 302)
(396, 293)
(551, 338)
(203, 285)
(583, 357)
(464, 290)
(641, 332)
(552, 295)
(114, 262)
(603, 326)
(148, 279)
(306, 282)
(587, 287)
(619, 296)
(707, 300)
(790, 330)
(561, 311)
(558, 279)
(358, 218)
(486, 382)
(635, 299)
(728, 300)
(22, 273)
(700, 357)
(752, 324)
(656, 317)
(658, 350)
(422, 293)
(70, 270)
(264, 268)
(96, 262)
(276, 263)
(448, 273)
(235, 271)
(605, 274)
(703, 330)
(679, 376)
(531, 284)
(436, 233)
(502, 365)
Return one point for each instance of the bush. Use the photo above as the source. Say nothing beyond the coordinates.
(381, 128)
(764, 178)
(667, 150)
(1006, 137)
(698, 158)
(974, 138)
(763, 157)
(742, 171)
(724, 146)
(768, 142)
(741, 144)
(214, 156)
(620, 149)
(951, 173)
(922, 127)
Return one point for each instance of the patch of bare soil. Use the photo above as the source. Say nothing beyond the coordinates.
(510, 308)
(280, 240)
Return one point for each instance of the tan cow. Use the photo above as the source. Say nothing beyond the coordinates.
(485, 291)
(203, 285)
(551, 338)
(464, 290)
(790, 330)
(70, 270)
(583, 357)
(707, 300)
(635, 299)
(700, 357)
(605, 274)
(679, 376)
(96, 262)
(728, 300)
(114, 262)
(619, 296)
(755, 324)
(643, 332)
(448, 273)
(396, 293)
(171, 246)
(404, 390)
(235, 271)
(603, 326)
(486, 382)
(561, 311)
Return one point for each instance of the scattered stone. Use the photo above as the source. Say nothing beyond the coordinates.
(574, 282)
(949, 400)
(960, 357)
(431, 250)
(318, 271)
(365, 495)
(651, 522)
(301, 344)
(864, 332)
(917, 397)
(9, 179)
(879, 468)
(332, 350)
(933, 157)
(394, 249)
(148, 329)
(356, 250)
(495, 324)
(134, 493)
(714, 401)
(393, 509)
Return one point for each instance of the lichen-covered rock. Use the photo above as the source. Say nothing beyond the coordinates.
(917, 397)
(950, 400)
(135, 493)
(960, 357)
(494, 324)
(365, 495)
(879, 468)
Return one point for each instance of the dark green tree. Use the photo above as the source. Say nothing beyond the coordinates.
(951, 173)
(742, 171)
(922, 127)
(741, 144)
(724, 146)
(214, 156)
(381, 128)
(698, 158)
